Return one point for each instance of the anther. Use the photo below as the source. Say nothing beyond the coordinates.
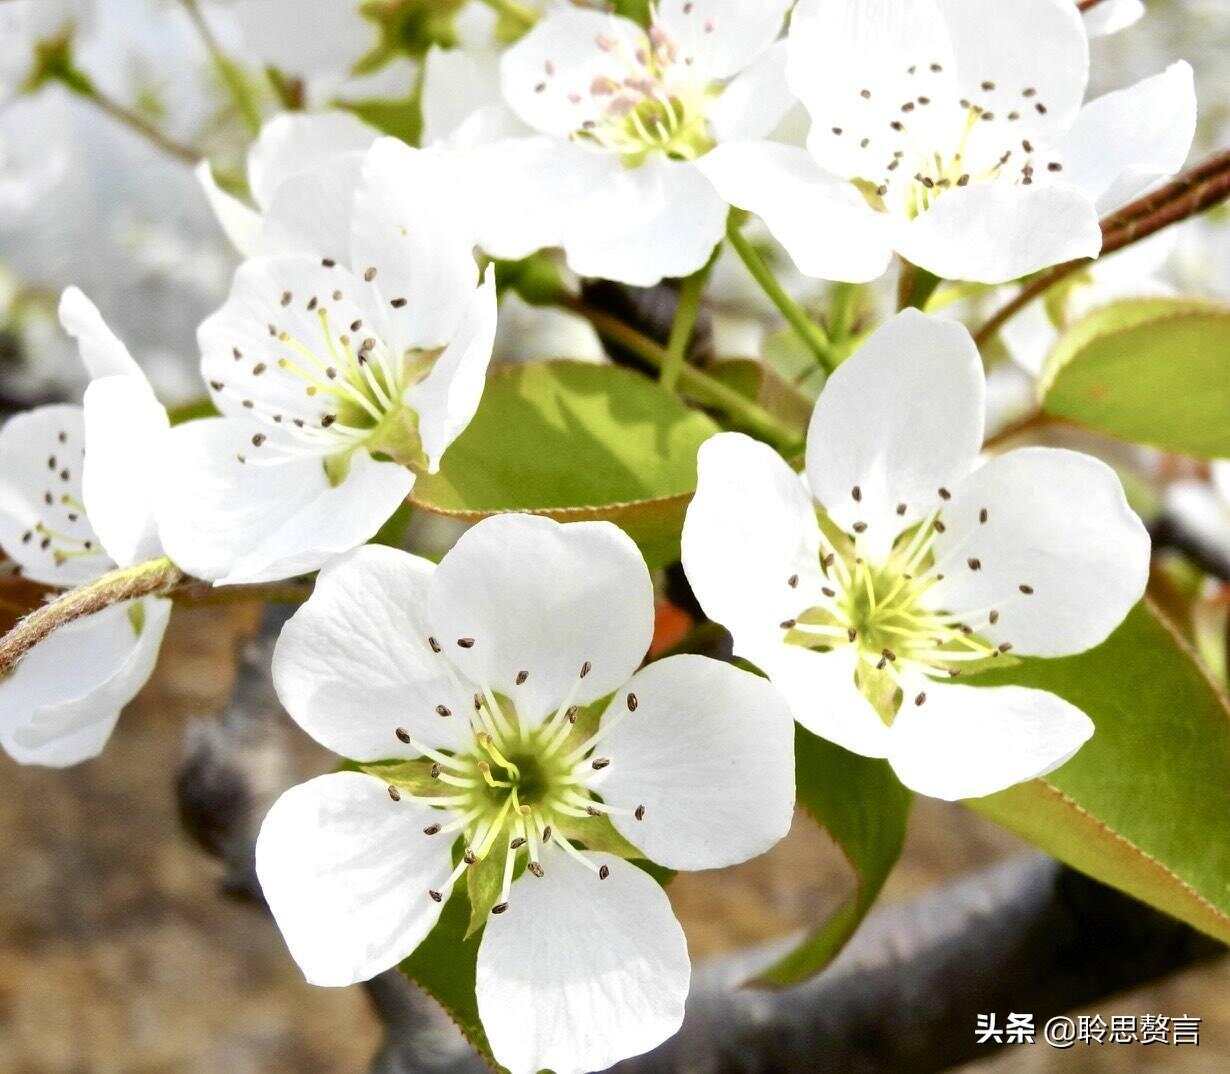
(328, 262)
(435, 645)
(632, 702)
(517, 843)
(788, 624)
(793, 581)
(546, 834)
(394, 793)
(945, 494)
(600, 763)
(920, 699)
(536, 869)
(443, 710)
(857, 493)
(852, 634)
(466, 643)
(975, 564)
(939, 526)
(1026, 589)
(435, 771)
(398, 303)
(369, 275)
(402, 735)
(983, 516)
(901, 509)
(828, 592)
(499, 908)
(993, 618)
(469, 857)
(1005, 647)
(859, 527)
(286, 298)
(639, 814)
(432, 829)
(436, 896)
(521, 677)
(592, 811)
(571, 714)
(258, 439)
(604, 872)
(585, 668)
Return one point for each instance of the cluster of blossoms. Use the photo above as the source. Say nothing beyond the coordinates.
(504, 741)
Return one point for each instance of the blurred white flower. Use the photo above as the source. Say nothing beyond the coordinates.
(922, 567)
(953, 133)
(506, 681)
(76, 500)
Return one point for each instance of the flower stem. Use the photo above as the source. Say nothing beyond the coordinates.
(519, 13)
(155, 577)
(704, 389)
(808, 331)
(683, 328)
(227, 68)
(1198, 189)
(842, 304)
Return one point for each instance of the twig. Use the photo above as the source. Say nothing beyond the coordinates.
(1193, 192)
(687, 310)
(227, 67)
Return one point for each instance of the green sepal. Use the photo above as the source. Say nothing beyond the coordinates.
(483, 882)
(413, 777)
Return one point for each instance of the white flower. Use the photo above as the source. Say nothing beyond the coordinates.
(915, 565)
(952, 132)
(474, 672)
(1111, 16)
(359, 352)
(1205, 508)
(75, 502)
(622, 116)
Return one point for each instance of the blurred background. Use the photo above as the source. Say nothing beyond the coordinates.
(119, 950)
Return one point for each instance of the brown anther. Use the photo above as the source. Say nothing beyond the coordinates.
(517, 843)
(604, 872)
(859, 527)
(499, 908)
(536, 869)
(469, 857)
(632, 702)
(369, 275)
(983, 516)
(600, 763)
(435, 645)
(432, 829)
(585, 668)
(443, 710)
(993, 618)
(1026, 589)
(394, 793)
(793, 581)
(975, 564)
(436, 896)
(788, 624)
(403, 735)
(521, 677)
(465, 643)
(639, 814)
(920, 699)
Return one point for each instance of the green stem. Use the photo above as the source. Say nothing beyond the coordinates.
(841, 311)
(519, 13)
(83, 87)
(703, 389)
(227, 68)
(915, 286)
(808, 331)
(686, 315)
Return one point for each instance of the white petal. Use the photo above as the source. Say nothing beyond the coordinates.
(102, 353)
(1058, 523)
(820, 690)
(528, 333)
(409, 226)
(310, 212)
(709, 753)
(297, 142)
(354, 663)
(346, 871)
(719, 38)
(854, 64)
(41, 455)
(62, 702)
(825, 225)
(996, 232)
(241, 223)
(644, 224)
(750, 530)
(756, 100)
(230, 523)
(1111, 16)
(1202, 512)
(1221, 479)
(966, 742)
(544, 598)
(327, 38)
(548, 77)
(125, 429)
(898, 421)
(1125, 141)
(456, 83)
(447, 399)
(1028, 44)
(580, 973)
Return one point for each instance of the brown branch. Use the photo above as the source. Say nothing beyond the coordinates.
(1193, 192)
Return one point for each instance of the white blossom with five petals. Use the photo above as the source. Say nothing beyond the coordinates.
(507, 678)
(76, 489)
(341, 365)
(914, 566)
(952, 132)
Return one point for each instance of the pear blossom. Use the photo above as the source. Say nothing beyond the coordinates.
(621, 116)
(76, 488)
(953, 133)
(341, 367)
(1204, 507)
(1111, 16)
(908, 566)
(503, 736)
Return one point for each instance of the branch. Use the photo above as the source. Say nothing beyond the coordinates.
(156, 577)
(1085, 5)
(1193, 192)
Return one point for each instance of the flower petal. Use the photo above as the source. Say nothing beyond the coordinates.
(125, 428)
(311, 212)
(897, 422)
(231, 523)
(1057, 524)
(447, 399)
(709, 753)
(966, 742)
(346, 871)
(551, 77)
(1221, 479)
(996, 232)
(354, 663)
(457, 82)
(1038, 45)
(241, 223)
(102, 353)
(43, 526)
(719, 38)
(854, 65)
(409, 227)
(61, 703)
(821, 692)
(641, 225)
(825, 225)
(1111, 16)
(297, 142)
(544, 598)
(580, 973)
(756, 101)
(750, 532)
(1125, 141)
(1202, 512)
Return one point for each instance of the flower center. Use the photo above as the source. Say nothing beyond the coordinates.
(879, 610)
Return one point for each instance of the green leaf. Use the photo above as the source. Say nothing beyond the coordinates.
(576, 442)
(1145, 804)
(1151, 371)
(759, 382)
(444, 966)
(864, 808)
